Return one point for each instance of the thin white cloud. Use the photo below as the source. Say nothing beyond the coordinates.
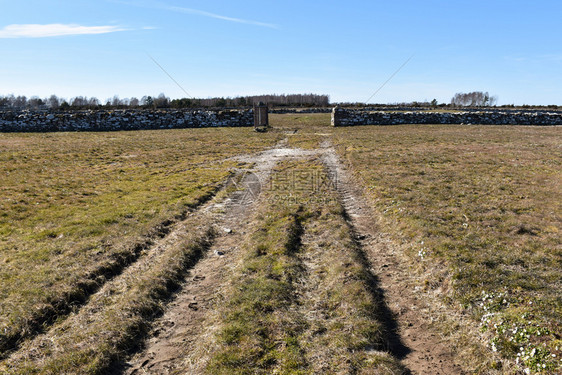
(539, 59)
(54, 29)
(177, 9)
(216, 16)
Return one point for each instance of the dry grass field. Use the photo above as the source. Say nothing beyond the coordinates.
(479, 210)
(99, 230)
(77, 208)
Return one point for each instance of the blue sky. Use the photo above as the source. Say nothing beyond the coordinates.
(347, 49)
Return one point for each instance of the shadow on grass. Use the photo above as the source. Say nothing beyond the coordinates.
(383, 314)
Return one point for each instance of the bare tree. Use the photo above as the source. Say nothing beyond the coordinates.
(162, 101)
(474, 99)
(115, 102)
(79, 102)
(93, 102)
(53, 102)
(19, 102)
(35, 103)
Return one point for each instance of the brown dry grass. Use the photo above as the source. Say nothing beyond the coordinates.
(483, 201)
(302, 130)
(117, 318)
(76, 208)
(476, 209)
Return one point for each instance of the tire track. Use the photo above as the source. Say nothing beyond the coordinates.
(326, 321)
(40, 347)
(86, 328)
(181, 323)
(180, 340)
(75, 299)
(355, 334)
(180, 332)
(421, 349)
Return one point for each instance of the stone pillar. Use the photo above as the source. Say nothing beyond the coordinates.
(337, 113)
(261, 119)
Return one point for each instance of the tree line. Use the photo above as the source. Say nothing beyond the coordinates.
(161, 101)
(471, 99)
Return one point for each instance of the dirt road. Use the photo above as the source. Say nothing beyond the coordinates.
(186, 323)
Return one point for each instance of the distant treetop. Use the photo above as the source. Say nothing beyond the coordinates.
(161, 101)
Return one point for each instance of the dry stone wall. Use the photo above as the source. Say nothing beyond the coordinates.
(347, 117)
(104, 120)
